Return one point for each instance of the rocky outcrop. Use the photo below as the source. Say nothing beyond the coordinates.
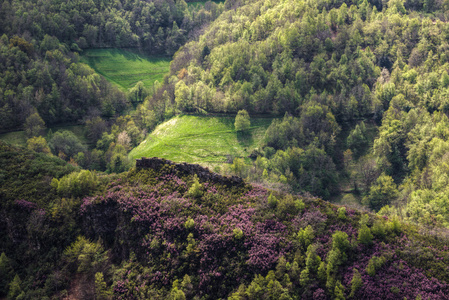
(204, 174)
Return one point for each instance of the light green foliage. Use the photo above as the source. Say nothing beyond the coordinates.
(186, 285)
(341, 213)
(189, 224)
(145, 117)
(382, 193)
(379, 229)
(313, 261)
(76, 184)
(322, 272)
(272, 201)
(305, 237)
(101, 290)
(125, 68)
(339, 292)
(119, 160)
(38, 144)
(85, 257)
(374, 264)
(266, 288)
(238, 233)
(191, 245)
(364, 233)
(239, 294)
(304, 277)
(242, 121)
(176, 294)
(138, 92)
(335, 257)
(340, 241)
(15, 289)
(394, 225)
(300, 205)
(183, 97)
(356, 282)
(196, 190)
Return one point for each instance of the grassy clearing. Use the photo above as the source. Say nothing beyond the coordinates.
(125, 68)
(199, 139)
(19, 137)
(14, 138)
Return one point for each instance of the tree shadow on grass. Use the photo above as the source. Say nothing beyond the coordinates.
(245, 138)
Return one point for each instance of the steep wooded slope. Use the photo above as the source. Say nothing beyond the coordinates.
(166, 232)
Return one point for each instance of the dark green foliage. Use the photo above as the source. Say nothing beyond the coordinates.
(34, 126)
(6, 274)
(231, 226)
(357, 139)
(27, 175)
(66, 144)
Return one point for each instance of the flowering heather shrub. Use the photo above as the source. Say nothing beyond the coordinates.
(26, 205)
(226, 236)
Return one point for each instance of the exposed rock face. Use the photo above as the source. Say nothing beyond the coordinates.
(204, 174)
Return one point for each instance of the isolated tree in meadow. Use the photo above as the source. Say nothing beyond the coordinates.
(34, 125)
(242, 121)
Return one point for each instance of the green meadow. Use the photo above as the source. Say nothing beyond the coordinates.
(19, 137)
(201, 139)
(125, 68)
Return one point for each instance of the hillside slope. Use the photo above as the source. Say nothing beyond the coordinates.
(333, 67)
(202, 139)
(166, 232)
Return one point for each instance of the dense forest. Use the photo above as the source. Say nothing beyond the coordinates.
(358, 93)
(40, 44)
(335, 70)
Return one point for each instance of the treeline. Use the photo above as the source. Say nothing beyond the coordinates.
(103, 146)
(159, 27)
(45, 77)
